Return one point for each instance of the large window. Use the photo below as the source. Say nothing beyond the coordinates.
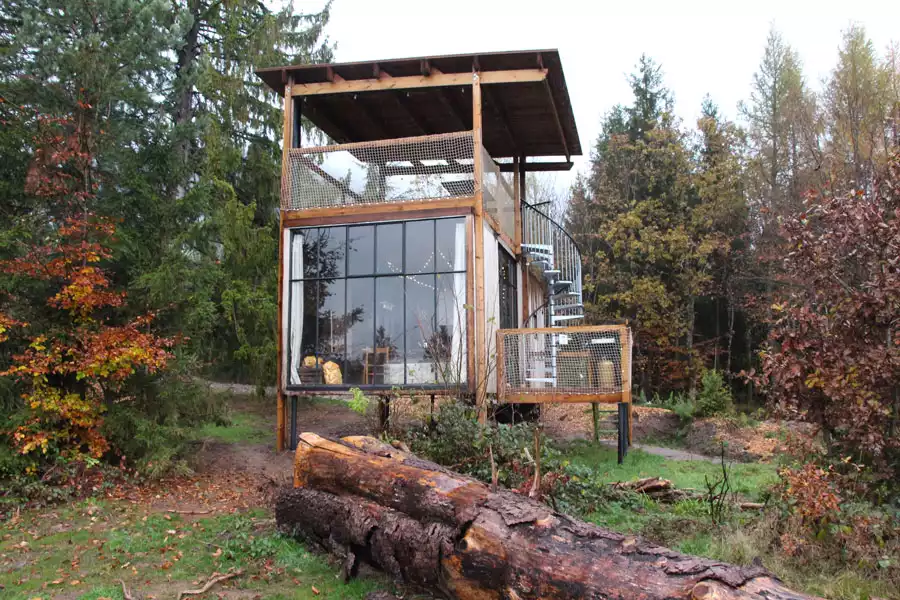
(379, 304)
(509, 292)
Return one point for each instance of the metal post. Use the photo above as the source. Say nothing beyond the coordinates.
(595, 409)
(623, 431)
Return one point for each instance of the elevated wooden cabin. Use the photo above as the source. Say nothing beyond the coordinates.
(410, 257)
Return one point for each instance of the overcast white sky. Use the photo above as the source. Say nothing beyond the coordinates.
(704, 46)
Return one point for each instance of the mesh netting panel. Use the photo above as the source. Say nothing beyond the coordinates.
(420, 168)
(575, 360)
(498, 196)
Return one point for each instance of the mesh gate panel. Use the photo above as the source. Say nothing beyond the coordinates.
(419, 168)
(571, 361)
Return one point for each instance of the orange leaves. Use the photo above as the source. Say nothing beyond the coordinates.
(68, 370)
(85, 292)
(7, 323)
(71, 259)
(810, 491)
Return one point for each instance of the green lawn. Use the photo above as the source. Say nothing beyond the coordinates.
(245, 428)
(81, 552)
(747, 479)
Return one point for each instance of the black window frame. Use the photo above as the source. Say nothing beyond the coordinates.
(374, 275)
(508, 275)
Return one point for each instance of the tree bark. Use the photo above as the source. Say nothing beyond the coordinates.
(426, 525)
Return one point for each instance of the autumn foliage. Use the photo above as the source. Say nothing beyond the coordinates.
(833, 356)
(75, 363)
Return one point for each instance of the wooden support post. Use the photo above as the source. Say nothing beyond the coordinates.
(480, 317)
(517, 205)
(595, 410)
(287, 142)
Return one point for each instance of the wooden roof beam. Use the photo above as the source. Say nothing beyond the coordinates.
(494, 102)
(333, 76)
(537, 166)
(434, 79)
(324, 121)
(554, 110)
(400, 97)
(444, 97)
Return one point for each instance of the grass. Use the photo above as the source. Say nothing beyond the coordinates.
(244, 428)
(744, 538)
(747, 479)
(82, 550)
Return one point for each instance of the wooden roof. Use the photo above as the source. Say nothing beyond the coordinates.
(525, 118)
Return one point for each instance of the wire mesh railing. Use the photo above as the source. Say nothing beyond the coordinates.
(574, 364)
(399, 170)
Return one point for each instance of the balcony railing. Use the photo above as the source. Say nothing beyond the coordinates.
(498, 196)
(400, 170)
(565, 364)
(552, 251)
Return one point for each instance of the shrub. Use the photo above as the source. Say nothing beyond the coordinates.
(713, 396)
(152, 430)
(458, 441)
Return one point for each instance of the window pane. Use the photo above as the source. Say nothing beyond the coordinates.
(420, 247)
(421, 339)
(360, 327)
(302, 333)
(386, 360)
(332, 242)
(310, 252)
(451, 244)
(389, 253)
(451, 328)
(361, 250)
(330, 347)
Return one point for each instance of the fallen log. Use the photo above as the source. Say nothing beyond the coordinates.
(367, 501)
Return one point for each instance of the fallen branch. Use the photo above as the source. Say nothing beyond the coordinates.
(656, 488)
(188, 512)
(213, 581)
(125, 594)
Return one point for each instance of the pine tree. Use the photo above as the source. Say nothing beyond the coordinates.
(857, 105)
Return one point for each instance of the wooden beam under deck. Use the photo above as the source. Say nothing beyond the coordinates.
(417, 81)
(374, 212)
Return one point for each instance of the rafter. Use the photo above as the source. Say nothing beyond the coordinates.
(497, 107)
(553, 109)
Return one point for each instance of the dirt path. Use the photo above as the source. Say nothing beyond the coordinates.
(670, 453)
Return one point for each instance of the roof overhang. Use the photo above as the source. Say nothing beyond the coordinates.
(526, 107)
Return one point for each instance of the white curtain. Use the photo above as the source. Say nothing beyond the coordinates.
(458, 343)
(296, 332)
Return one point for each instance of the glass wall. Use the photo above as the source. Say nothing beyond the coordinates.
(378, 304)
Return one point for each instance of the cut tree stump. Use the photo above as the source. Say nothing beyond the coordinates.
(364, 500)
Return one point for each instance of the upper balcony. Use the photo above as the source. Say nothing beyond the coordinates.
(416, 169)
